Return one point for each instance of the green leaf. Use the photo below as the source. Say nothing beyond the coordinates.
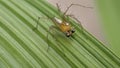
(23, 47)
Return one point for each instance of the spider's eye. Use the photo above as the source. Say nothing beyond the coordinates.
(67, 34)
(72, 31)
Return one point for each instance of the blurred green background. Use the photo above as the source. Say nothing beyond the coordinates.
(110, 15)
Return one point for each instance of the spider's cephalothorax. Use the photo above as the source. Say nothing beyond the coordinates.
(64, 27)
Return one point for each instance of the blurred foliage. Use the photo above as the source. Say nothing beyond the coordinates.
(110, 15)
